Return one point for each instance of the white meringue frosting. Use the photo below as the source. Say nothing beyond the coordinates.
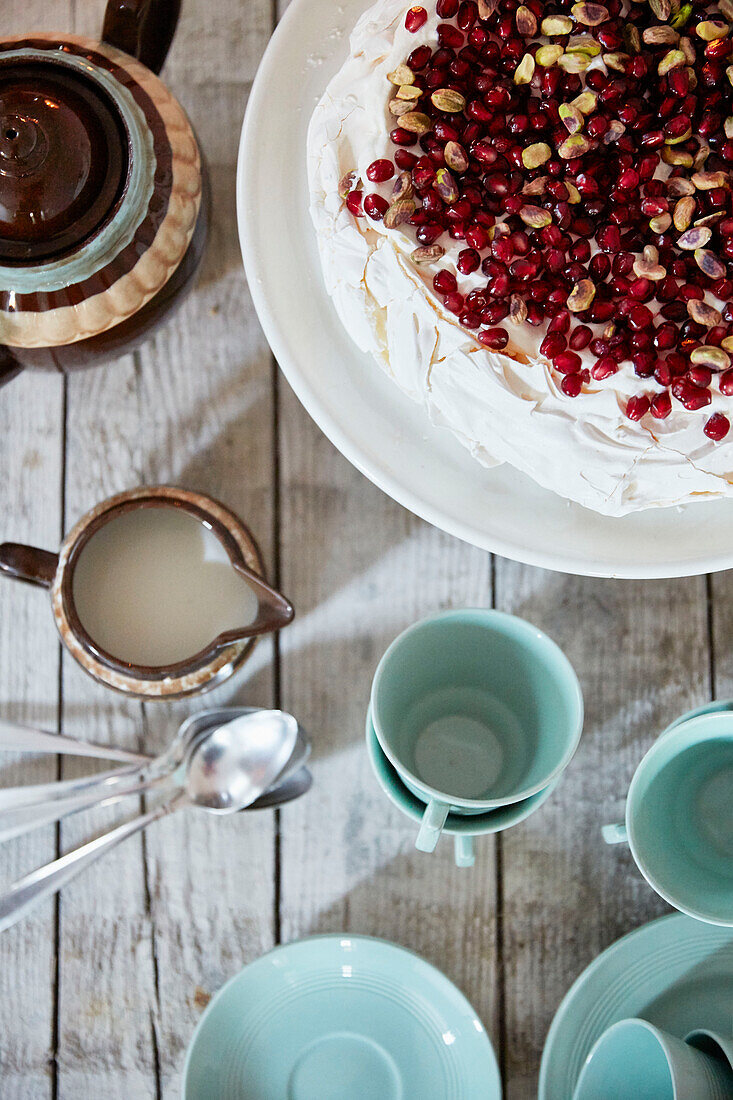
(503, 410)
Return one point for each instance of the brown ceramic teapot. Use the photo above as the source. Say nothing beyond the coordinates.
(102, 211)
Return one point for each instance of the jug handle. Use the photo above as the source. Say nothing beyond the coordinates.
(142, 28)
(27, 563)
(9, 366)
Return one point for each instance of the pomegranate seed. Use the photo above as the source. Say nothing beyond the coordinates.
(640, 317)
(446, 9)
(567, 362)
(679, 81)
(661, 405)
(580, 338)
(353, 203)
(552, 345)
(469, 319)
(700, 376)
(448, 35)
(560, 323)
(376, 207)
(640, 288)
(419, 58)
(467, 15)
(494, 338)
(665, 337)
(644, 364)
(726, 383)
(476, 237)
(405, 160)
(498, 287)
(524, 269)
(628, 180)
(571, 385)
(426, 234)
(603, 368)
(468, 261)
(637, 406)
(717, 427)
(380, 170)
(444, 282)
(398, 136)
(691, 396)
(662, 373)
(415, 19)
(453, 302)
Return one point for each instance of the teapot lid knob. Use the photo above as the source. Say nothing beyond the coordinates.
(63, 160)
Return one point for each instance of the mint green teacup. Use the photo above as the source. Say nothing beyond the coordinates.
(679, 816)
(462, 827)
(633, 1060)
(475, 710)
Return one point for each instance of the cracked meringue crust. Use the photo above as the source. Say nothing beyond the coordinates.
(503, 406)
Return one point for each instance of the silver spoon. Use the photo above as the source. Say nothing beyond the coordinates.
(17, 738)
(297, 785)
(226, 771)
(30, 807)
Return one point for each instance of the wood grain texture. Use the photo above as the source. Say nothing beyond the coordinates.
(640, 650)
(348, 857)
(146, 937)
(31, 430)
(31, 459)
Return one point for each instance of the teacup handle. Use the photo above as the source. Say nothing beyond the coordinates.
(431, 825)
(464, 850)
(28, 563)
(615, 834)
(142, 28)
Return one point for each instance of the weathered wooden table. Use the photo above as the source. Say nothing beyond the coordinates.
(99, 992)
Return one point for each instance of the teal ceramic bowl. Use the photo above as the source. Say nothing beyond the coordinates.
(679, 817)
(340, 1018)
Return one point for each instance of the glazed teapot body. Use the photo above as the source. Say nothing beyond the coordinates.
(102, 193)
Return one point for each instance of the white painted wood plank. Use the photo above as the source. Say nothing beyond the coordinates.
(721, 624)
(195, 409)
(106, 991)
(363, 569)
(31, 430)
(31, 450)
(640, 650)
(207, 383)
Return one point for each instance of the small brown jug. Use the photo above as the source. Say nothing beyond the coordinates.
(102, 204)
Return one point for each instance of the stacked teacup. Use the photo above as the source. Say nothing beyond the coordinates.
(679, 815)
(635, 1059)
(474, 715)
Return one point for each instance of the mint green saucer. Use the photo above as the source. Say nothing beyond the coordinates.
(340, 1018)
(675, 972)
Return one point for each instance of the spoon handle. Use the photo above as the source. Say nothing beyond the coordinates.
(24, 739)
(33, 888)
(26, 815)
(96, 787)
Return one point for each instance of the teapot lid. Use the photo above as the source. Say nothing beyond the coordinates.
(100, 188)
(63, 159)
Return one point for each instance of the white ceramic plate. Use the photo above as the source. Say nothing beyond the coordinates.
(383, 433)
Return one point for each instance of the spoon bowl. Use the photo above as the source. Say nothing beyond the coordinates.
(236, 763)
